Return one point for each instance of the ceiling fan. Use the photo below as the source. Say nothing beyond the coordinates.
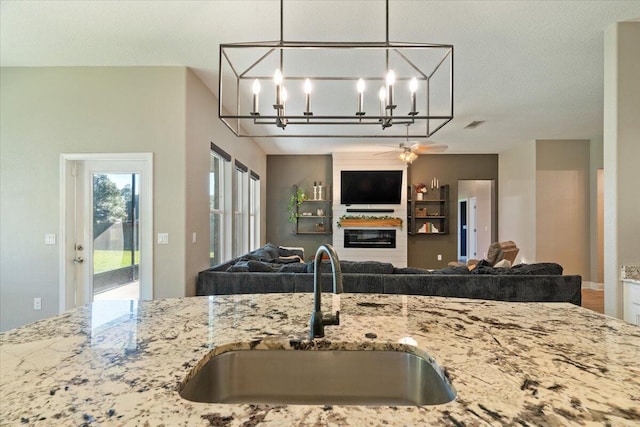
(409, 150)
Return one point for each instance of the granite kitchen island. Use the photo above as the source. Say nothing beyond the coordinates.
(121, 363)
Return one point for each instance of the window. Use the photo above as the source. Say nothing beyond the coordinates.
(240, 210)
(218, 176)
(254, 211)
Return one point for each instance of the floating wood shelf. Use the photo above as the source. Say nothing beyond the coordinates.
(392, 222)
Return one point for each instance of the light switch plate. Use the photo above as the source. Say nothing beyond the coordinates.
(163, 238)
(50, 239)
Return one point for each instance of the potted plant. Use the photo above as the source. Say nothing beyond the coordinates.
(295, 201)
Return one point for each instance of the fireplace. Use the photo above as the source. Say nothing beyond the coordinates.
(369, 238)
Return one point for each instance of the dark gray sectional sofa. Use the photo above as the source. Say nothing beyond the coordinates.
(270, 269)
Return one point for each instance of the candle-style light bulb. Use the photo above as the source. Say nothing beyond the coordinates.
(382, 94)
(391, 80)
(307, 97)
(413, 87)
(360, 89)
(256, 92)
(277, 79)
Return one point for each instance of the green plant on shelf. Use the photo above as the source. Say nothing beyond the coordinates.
(295, 201)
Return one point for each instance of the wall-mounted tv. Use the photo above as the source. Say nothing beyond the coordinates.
(370, 187)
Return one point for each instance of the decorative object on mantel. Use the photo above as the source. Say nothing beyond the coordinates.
(295, 201)
(369, 221)
(421, 190)
(414, 74)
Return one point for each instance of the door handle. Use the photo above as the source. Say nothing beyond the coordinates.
(78, 260)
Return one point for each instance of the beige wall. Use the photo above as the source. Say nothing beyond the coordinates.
(202, 128)
(545, 203)
(621, 154)
(516, 199)
(49, 111)
(596, 204)
(562, 205)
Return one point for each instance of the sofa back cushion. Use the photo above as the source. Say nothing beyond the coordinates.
(355, 267)
(538, 269)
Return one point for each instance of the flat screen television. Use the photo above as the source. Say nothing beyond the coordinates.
(370, 187)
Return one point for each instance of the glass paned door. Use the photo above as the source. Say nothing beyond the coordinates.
(116, 235)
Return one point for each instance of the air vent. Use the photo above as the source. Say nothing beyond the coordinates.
(474, 124)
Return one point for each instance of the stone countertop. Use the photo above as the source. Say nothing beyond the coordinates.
(122, 362)
(630, 272)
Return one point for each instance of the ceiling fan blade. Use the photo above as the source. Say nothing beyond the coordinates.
(414, 145)
(431, 149)
(385, 152)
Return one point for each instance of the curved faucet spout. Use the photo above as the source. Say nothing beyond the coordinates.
(318, 320)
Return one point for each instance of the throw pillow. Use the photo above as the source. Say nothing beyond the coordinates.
(505, 263)
(267, 252)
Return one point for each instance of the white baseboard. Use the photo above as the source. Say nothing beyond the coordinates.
(594, 286)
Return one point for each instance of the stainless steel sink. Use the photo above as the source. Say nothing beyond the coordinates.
(331, 377)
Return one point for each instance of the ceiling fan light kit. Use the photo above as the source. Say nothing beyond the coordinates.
(408, 156)
(328, 89)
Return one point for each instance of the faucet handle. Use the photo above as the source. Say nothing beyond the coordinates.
(331, 319)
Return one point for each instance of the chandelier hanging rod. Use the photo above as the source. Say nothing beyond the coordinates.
(282, 21)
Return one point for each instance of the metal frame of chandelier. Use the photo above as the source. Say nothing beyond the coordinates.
(404, 92)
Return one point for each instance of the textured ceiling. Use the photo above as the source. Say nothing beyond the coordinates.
(530, 69)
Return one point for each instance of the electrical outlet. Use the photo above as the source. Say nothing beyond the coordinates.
(163, 238)
(50, 239)
(439, 257)
(37, 303)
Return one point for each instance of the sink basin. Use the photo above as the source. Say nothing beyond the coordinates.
(322, 377)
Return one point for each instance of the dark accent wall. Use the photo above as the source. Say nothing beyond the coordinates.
(448, 168)
(283, 172)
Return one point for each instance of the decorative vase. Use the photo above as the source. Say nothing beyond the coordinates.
(419, 196)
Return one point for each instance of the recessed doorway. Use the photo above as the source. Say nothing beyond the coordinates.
(476, 213)
(106, 248)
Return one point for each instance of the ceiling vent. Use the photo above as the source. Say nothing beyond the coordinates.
(474, 124)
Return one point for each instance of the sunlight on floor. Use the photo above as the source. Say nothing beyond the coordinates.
(127, 292)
